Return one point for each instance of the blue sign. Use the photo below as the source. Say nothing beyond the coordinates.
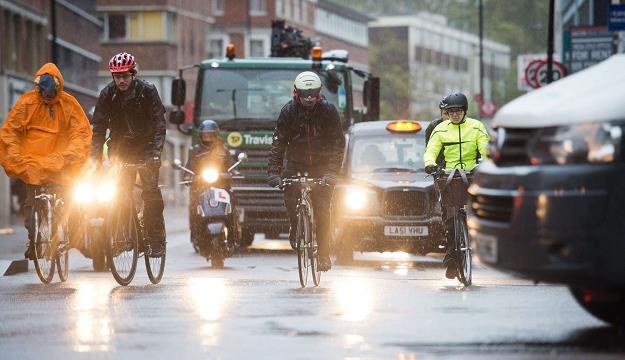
(616, 18)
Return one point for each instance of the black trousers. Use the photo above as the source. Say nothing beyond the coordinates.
(321, 197)
(152, 197)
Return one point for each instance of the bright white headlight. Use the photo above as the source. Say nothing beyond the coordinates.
(210, 175)
(83, 192)
(355, 199)
(106, 192)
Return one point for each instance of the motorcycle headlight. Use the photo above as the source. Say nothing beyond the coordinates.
(106, 192)
(83, 192)
(577, 144)
(210, 175)
(358, 199)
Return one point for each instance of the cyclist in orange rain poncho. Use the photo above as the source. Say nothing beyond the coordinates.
(46, 137)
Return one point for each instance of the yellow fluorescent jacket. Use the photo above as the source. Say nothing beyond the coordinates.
(460, 144)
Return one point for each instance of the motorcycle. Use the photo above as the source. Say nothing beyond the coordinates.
(219, 226)
(91, 199)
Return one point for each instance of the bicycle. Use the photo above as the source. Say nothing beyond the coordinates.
(126, 234)
(306, 235)
(50, 243)
(451, 187)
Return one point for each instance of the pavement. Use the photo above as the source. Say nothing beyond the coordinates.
(13, 240)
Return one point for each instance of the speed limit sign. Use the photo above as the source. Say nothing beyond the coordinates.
(540, 76)
(530, 73)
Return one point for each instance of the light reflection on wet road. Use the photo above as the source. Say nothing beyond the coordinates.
(391, 307)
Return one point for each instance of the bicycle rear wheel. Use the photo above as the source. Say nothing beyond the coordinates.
(302, 238)
(123, 244)
(155, 267)
(464, 252)
(44, 252)
(61, 241)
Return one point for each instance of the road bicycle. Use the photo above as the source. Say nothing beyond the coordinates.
(125, 229)
(50, 243)
(452, 189)
(306, 234)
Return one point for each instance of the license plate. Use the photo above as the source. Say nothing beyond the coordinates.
(486, 247)
(406, 230)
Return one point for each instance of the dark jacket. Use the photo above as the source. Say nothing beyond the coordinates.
(216, 155)
(136, 121)
(311, 141)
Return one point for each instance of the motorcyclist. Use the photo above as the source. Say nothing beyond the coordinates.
(309, 134)
(134, 113)
(210, 152)
(45, 140)
(462, 140)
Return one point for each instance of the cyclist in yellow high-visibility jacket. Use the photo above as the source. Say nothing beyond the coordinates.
(463, 141)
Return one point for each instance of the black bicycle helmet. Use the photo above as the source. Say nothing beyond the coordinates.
(456, 100)
(208, 132)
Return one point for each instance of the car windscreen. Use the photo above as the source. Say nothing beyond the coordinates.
(387, 153)
(257, 94)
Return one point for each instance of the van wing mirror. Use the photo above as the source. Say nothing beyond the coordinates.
(371, 98)
(178, 91)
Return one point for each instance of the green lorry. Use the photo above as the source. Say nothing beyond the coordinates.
(245, 96)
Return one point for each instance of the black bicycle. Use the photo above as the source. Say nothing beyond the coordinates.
(126, 233)
(50, 243)
(306, 234)
(452, 189)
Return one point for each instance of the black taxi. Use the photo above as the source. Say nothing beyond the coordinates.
(384, 201)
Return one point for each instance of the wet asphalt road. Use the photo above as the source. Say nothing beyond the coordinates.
(391, 307)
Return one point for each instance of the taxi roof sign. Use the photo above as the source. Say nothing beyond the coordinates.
(403, 126)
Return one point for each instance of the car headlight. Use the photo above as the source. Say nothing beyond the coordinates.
(83, 192)
(210, 175)
(106, 192)
(576, 144)
(358, 199)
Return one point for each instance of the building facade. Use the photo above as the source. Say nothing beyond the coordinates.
(438, 59)
(26, 32)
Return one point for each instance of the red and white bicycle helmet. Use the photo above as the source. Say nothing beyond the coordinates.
(122, 62)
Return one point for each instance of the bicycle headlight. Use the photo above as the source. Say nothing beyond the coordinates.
(83, 192)
(577, 144)
(106, 191)
(210, 175)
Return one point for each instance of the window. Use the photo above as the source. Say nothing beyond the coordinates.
(218, 7)
(141, 26)
(297, 5)
(258, 7)
(257, 48)
(117, 27)
(215, 48)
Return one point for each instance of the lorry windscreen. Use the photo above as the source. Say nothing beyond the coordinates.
(255, 94)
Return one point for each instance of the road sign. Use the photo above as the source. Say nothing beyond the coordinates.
(589, 46)
(488, 108)
(530, 73)
(540, 76)
(616, 17)
(523, 61)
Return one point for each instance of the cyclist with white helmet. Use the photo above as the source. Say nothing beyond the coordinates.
(133, 112)
(309, 135)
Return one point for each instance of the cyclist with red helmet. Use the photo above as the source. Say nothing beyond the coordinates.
(133, 112)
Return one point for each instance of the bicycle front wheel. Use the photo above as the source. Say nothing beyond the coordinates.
(123, 244)
(302, 238)
(314, 252)
(155, 267)
(42, 247)
(61, 241)
(464, 252)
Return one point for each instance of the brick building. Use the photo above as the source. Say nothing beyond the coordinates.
(26, 44)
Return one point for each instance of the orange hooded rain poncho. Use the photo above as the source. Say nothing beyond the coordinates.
(45, 141)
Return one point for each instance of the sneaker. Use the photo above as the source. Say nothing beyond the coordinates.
(157, 250)
(325, 263)
(29, 253)
(451, 272)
